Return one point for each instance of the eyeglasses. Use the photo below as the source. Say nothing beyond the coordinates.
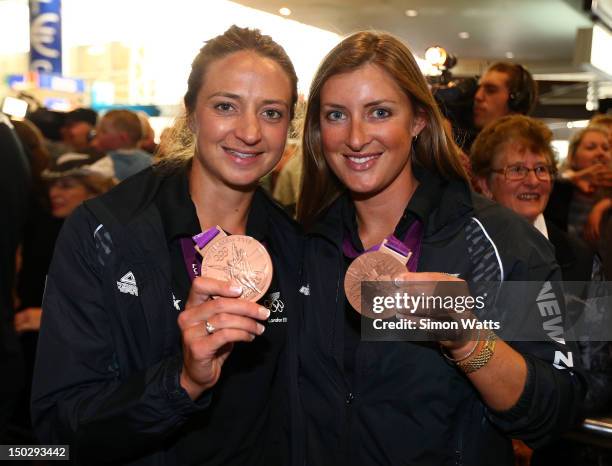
(520, 172)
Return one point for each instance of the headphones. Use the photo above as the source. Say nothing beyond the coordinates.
(522, 97)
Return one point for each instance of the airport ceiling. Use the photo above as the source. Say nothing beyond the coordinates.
(538, 32)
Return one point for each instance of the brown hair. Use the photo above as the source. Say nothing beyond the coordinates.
(124, 120)
(433, 149)
(236, 39)
(576, 139)
(511, 128)
(33, 139)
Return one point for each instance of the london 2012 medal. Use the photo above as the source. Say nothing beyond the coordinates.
(241, 260)
(370, 267)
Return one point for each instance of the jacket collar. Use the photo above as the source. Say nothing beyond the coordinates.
(131, 197)
(440, 204)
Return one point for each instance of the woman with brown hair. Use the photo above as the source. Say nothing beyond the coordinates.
(379, 169)
(503, 157)
(137, 364)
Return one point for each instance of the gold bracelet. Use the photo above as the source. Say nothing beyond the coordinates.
(482, 358)
(451, 359)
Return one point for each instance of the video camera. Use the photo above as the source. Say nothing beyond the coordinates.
(455, 98)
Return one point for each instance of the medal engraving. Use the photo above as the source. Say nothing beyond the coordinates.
(241, 260)
(370, 267)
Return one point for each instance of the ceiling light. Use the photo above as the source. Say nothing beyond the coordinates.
(464, 35)
(284, 11)
(509, 55)
(435, 55)
(411, 13)
(438, 56)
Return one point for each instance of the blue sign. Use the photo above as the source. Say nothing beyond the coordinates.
(60, 83)
(14, 80)
(45, 36)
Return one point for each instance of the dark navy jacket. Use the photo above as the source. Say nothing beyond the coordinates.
(405, 404)
(108, 364)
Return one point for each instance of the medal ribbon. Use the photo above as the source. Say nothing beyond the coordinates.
(190, 256)
(409, 247)
(190, 253)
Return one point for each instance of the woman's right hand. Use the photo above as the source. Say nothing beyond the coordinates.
(232, 318)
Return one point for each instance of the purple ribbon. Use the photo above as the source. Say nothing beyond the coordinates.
(190, 255)
(396, 245)
(411, 242)
(202, 239)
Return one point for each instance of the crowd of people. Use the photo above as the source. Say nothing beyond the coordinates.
(68, 164)
(120, 348)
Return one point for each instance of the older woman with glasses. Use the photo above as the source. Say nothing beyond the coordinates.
(514, 164)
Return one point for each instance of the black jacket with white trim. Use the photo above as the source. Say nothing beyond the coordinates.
(107, 371)
(405, 404)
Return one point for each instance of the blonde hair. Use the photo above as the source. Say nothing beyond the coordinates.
(433, 149)
(575, 141)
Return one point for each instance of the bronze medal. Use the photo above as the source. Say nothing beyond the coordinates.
(376, 266)
(241, 260)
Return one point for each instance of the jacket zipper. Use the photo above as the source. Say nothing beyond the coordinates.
(349, 396)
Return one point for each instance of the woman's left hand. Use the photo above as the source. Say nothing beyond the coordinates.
(28, 320)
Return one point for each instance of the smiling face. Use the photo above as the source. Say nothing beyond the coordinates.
(527, 197)
(241, 119)
(594, 148)
(66, 194)
(367, 125)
